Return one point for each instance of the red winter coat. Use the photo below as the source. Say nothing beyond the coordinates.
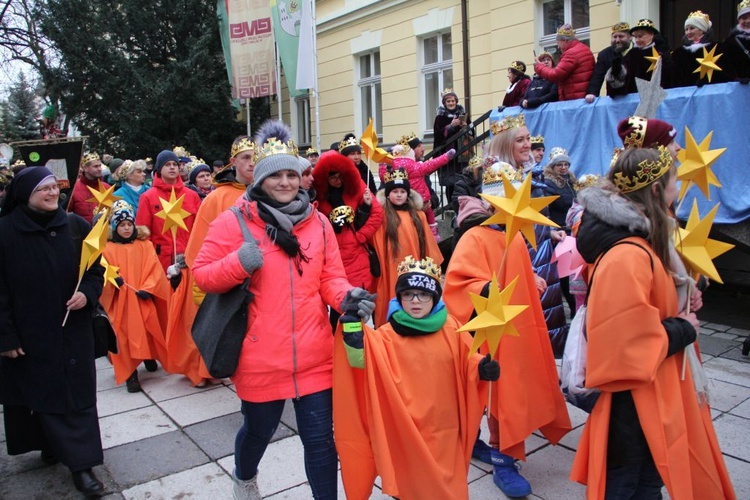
(572, 74)
(417, 170)
(288, 348)
(78, 203)
(353, 238)
(149, 205)
(515, 96)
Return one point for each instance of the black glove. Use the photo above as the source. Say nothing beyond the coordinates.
(143, 295)
(489, 369)
(359, 303)
(175, 281)
(119, 281)
(680, 333)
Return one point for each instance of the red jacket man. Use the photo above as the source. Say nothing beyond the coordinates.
(573, 73)
(91, 175)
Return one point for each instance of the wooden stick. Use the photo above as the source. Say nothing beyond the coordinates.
(679, 205)
(174, 243)
(67, 313)
(684, 353)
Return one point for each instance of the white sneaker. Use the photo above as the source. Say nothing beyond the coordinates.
(245, 490)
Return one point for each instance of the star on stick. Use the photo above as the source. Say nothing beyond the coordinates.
(103, 197)
(707, 64)
(650, 93)
(494, 316)
(111, 272)
(93, 244)
(518, 211)
(173, 213)
(695, 164)
(369, 140)
(696, 248)
(654, 58)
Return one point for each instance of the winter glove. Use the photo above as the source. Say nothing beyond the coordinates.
(680, 334)
(174, 281)
(489, 369)
(143, 295)
(358, 303)
(119, 281)
(250, 256)
(450, 153)
(354, 344)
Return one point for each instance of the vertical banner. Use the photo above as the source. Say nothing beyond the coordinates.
(251, 49)
(306, 68)
(287, 17)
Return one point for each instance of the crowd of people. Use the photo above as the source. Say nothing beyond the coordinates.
(351, 316)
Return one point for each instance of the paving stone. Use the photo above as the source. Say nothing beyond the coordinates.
(571, 439)
(736, 354)
(208, 404)
(717, 327)
(739, 331)
(207, 482)
(733, 435)
(716, 346)
(725, 335)
(548, 474)
(163, 388)
(706, 331)
(47, 483)
(742, 410)
(288, 417)
(739, 472)
(18, 463)
(728, 370)
(725, 396)
(149, 459)
(119, 400)
(134, 425)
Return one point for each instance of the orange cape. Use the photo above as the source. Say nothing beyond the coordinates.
(385, 285)
(138, 323)
(411, 415)
(527, 396)
(627, 345)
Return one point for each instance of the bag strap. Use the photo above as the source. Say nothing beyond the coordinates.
(591, 280)
(241, 221)
(742, 47)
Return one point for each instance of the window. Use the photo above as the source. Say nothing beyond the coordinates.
(302, 119)
(555, 13)
(370, 93)
(437, 72)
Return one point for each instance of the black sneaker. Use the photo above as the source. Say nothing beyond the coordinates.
(150, 365)
(132, 383)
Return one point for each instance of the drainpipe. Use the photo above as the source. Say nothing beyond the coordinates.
(465, 45)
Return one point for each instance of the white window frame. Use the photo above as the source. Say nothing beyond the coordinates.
(548, 41)
(301, 115)
(433, 68)
(376, 99)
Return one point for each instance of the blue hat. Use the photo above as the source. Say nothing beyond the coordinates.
(122, 211)
(201, 167)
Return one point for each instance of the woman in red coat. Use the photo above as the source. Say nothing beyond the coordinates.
(519, 84)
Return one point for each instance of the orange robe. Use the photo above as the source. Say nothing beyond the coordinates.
(385, 285)
(423, 400)
(627, 345)
(527, 396)
(138, 323)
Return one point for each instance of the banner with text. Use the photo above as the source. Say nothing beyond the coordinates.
(251, 48)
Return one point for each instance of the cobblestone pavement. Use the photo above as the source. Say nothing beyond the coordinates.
(173, 441)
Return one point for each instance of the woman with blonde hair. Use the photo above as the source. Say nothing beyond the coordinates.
(132, 175)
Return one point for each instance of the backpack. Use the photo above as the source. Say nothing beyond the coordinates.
(573, 372)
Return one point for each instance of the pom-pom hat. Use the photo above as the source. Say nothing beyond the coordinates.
(275, 151)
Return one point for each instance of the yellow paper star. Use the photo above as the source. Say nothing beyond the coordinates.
(111, 273)
(173, 213)
(654, 58)
(382, 156)
(494, 316)
(707, 64)
(369, 140)
(696, 248)
(103, 197)
(695, 164)
(93, 244)
(518, 211)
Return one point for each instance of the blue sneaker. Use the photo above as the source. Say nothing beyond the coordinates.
(506, 476)
(481, 452)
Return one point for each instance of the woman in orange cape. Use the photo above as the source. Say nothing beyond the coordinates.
(136, 312)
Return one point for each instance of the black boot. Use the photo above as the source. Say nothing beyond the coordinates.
(88, 484)
(132, 383)
(746, 346)
(150, 365)
(49, 457)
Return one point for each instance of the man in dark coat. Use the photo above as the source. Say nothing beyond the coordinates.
(620, 43)
(47, 372)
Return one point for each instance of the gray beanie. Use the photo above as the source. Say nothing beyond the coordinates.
(274, 138)
(275, 163)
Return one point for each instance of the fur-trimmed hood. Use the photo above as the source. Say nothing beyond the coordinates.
(415, 199)
(353, 186)
(549, 173)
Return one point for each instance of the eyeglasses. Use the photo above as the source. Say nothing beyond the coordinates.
(421, 296)
(47, 189)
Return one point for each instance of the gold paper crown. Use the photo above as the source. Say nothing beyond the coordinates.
(406, 138)
(621, 27)
(518, 66)
(615, 154)
(507, 123)
(19, 163)
(476, 162)
(124, 169)
(398, 174)
(343, 213)
(121, 205)
(644, 23)
(425, 266)
(586, 180)
(351, 141)
(702, 15)
(149, 160)
(635, 138)
(90, 156)
(312, 151)
(180, 151)
(494, 174)
(194, 162)
(744, 4)
(274, 147)
(647, 172)
(557, 151)
(566, 31)
(240, 144)
(537, 139)
(451, 91)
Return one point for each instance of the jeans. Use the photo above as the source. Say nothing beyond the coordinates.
(315, 423)
(637, 481)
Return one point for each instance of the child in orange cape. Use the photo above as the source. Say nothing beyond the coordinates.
(138, 308)
(421, 396)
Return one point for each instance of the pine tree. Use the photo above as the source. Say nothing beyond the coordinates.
(20, 113)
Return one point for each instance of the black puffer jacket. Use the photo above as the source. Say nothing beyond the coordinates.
(539, 92)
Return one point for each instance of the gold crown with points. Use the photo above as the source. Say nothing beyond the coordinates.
(537, 139)
(647, 172)
(566, 31)
(194, 162)
(621, 27)
(518, 66)
(744, 4)
(398, 174)
(341, 214)
(90, 156)
(124, 169)
(149, 160)
(406, 138)
(635, 138)
(240, 144)
(273, 146)
(644, 23)
(700, 15)
(351, 141)
(615, 155)
(446, 92)
(586, 180)
(507, 123)
(557, 151)
(19, 163)
(312, 151)
(476, 161)
(425, 266)
(181, 151)
(495, 172)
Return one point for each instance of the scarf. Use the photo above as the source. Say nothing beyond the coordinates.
(40, 218)
(280, 219)
(407, 326)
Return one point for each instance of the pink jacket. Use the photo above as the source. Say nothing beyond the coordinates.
(288, 348)
(417, 170)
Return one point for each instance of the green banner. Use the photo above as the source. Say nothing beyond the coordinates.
(286, 16)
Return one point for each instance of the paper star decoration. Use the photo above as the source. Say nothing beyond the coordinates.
(696, 248)
(111, 272)
(93, 244)
(494, 316)
(650, 94)
(518, 211)
(695, 164)
(654, 58)
(369, 143)
(173, 213)
(707, 64)
(103, 197)
(569, 261)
